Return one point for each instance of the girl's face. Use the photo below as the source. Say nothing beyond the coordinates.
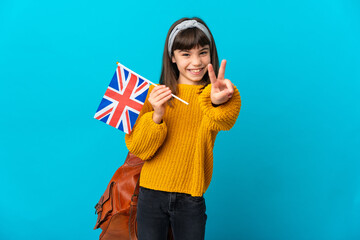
(192, 64)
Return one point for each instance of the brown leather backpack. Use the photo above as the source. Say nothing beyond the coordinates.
(117, 207)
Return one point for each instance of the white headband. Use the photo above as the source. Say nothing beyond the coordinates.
(185, 25)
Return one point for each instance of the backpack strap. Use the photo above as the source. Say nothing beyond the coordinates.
(132, 218)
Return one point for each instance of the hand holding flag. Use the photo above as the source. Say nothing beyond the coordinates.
(123, 99)
(158, 97)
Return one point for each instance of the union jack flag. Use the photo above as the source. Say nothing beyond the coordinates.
(123, 99)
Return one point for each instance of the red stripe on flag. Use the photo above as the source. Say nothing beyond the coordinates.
(128, 121)
(123, 100)
(141, 86)
(104, 114)
(120, 78)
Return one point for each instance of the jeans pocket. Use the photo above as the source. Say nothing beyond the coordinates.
(197, 204)
(196, 199)
(149, 194)
(141, 193)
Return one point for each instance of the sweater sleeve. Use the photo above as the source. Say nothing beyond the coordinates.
(224, 116)
(146, 136)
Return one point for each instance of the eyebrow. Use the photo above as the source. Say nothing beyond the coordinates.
(205, 48)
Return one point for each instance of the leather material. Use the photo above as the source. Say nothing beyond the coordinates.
(117, 207)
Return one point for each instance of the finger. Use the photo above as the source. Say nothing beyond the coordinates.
(230, 86)
(158, 89)
(222, 69)
(211, 73)
(162, 95)
(223, 95)
(164, 100)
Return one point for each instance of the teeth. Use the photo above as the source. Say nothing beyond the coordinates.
(196, 70)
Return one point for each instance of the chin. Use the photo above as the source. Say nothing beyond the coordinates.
(198, 79)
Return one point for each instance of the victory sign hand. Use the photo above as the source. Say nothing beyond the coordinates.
(221, 88)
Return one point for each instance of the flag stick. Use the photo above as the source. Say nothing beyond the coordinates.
(120, 65)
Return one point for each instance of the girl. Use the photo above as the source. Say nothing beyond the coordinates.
(176, 140)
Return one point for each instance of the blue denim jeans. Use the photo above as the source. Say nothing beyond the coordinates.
(156, 210)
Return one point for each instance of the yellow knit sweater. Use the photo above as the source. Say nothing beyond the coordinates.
(178, 152)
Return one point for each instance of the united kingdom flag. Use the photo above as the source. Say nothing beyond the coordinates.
(123, 99)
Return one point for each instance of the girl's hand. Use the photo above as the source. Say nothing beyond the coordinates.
(221, 88)
(157, 98)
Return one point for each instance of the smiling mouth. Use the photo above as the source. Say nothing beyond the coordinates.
(196, 71)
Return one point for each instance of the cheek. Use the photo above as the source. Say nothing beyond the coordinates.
(183, 64)
(206, 59)
(179, 63)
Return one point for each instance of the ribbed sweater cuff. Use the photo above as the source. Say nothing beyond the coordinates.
(146, 137)
(223, 116)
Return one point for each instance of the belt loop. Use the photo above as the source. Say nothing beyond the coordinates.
(172, 199)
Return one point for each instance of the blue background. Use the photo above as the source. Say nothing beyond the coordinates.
(288, 169)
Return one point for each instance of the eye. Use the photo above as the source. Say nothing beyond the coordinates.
(203, 53)
(185, 54)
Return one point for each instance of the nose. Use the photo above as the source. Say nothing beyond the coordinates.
(196, 60)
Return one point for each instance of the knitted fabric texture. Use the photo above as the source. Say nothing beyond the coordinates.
(178, 152)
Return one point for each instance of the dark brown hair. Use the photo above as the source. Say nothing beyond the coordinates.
(186, 40)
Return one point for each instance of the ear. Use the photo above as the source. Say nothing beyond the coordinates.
(173, 59)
